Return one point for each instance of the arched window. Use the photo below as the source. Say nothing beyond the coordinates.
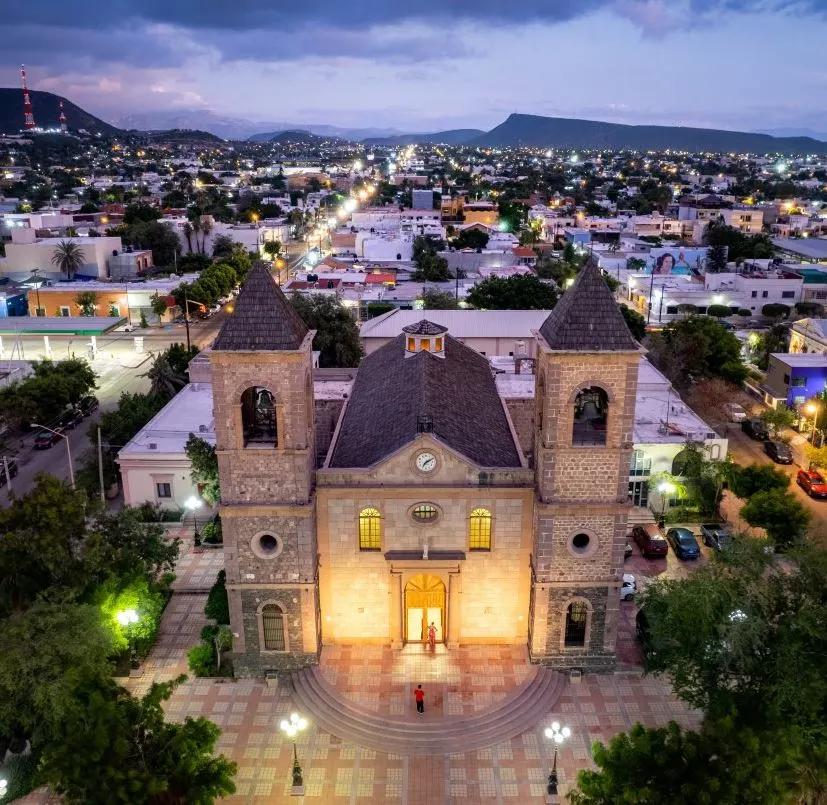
(258, 417)
(272, 627)
(370, 529)
(681, 462)
(591, 409)
(577, 616)
(479, 532)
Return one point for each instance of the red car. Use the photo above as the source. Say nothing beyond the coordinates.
(651, 542)
(812, 483)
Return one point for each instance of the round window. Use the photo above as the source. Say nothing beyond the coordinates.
(580, 542)
(582, 545)
(266, 545)
(425, 513)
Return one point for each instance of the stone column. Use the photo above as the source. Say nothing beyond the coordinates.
(454, 609)
(395, 610)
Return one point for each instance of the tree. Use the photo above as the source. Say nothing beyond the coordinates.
(157, 237)
(558, 270)
(716, 259)
(140, 213)
(687, 309)
(518, 292)
(87, 301)
(430, 267)
(718, 311)
(337, 336)
(809, 309)
(132, 754)
(739, 245)
(164, 380)
(747, 481)
(432, 299)
(68, 257)
(159, 305)
(133, 412)
(217, 607)
(634, 265)
(775, 310)
(374, 309)
(204, 468)
(695, 348)
(272, 248)
(634, 321)
(784, 518)
(776, 419)
(721, 764)
(471, 239)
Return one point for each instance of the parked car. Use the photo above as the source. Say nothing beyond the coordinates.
(215, 308)
(734, 412)
(650, 540)
(127, 328)
(812, 483)
(88, 405)
(70, 418)
(628, 588)
(683, 543)
(46, 438)
(755, 429)
(779, 452)
(13, 468)
(716, 535)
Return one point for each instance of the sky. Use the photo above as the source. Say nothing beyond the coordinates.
(431, 64)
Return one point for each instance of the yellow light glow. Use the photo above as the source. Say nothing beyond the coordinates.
(811, 409)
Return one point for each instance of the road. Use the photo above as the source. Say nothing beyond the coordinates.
(119, 370)
(744, 450)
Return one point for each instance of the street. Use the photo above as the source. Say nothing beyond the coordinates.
(119, 369)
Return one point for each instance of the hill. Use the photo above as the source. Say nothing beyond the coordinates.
(183, 136)
(45, 107)
(558, 132)
(300, 137)
(450, 137)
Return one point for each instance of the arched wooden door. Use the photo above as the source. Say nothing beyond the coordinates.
(425, 603)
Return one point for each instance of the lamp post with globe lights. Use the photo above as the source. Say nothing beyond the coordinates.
(291, 729)
(192, 504)
(812, 410)
(557, 734)
(665, 488)
(128, 618)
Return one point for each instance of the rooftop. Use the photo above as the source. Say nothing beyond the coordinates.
(814, 248)
(798, 360)
(59, 325)
(460, 323)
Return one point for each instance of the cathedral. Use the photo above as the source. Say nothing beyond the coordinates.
(435, 506)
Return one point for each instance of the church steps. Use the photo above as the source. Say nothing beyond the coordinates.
(519, 713)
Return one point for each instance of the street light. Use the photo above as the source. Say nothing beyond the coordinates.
(291, 729)
(812, 410)
(557, 734)
(128, 618)
(193, 504)
(68, 449)
(4, 787)
(665, 488)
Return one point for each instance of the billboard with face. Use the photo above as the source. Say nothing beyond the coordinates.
(676, 260)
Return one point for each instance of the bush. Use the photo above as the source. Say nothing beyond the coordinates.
(153, 513)
(201, 660)
(745, 312)
(211, 532)
(217, 607)
(683, 514)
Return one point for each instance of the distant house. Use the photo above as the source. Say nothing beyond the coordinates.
(794, 378)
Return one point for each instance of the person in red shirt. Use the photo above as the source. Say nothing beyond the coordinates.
(419, 695)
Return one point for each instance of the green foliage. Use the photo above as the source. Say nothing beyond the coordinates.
(337, 336)
(193, 263)
(201, 659)
(720, 765)
(272, 248)
(212, 533)
(518, 292)
(433, 299)
(157, 237)
(217, 280)
(204, 468)
(739, 245)
(132, 755)
(718, 311)
(68, 257)
(374, 309)
(635, 264)
(775, 310)
(159, 305)
(148, 600)
(217, 607)
(140, 213)
(776, 419)
(810, 309)
(747, 481)
(87, 301)
(784, 518)
(635, 322)
(513, 215)
(695, 348)
(471, 239)
(716, 259)
(774, 340)
(133, 412)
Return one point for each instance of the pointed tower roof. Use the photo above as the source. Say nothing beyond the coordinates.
(587, 317)
(263, 318)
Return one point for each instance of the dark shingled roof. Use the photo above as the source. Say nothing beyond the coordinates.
(587, 317)
(263, 319)
(425, 327)
(393, 394)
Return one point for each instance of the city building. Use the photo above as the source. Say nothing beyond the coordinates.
(794, 378)
(809, 335)
(27, 252)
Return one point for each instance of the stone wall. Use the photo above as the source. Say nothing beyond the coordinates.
(521, 411)
(327, 417)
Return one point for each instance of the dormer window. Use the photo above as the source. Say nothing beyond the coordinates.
(425, 336)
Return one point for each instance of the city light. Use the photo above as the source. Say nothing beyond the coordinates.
(127, 617)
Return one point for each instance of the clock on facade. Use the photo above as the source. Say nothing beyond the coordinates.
(426, 462)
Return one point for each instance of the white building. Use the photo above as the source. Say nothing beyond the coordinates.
(27, 252)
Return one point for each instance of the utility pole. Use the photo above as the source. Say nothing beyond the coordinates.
(187, 318)
(100, 467)
(8, 473)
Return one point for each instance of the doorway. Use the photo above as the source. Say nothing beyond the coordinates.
(425, 603)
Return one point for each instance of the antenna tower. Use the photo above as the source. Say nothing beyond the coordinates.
(62, 117)
(28, 115)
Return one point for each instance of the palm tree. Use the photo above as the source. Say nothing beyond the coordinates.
(68, 257)
(188, 235)
(206, 228)
(164, 379)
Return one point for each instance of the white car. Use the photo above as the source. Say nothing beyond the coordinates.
(734, 412)
(628, 588)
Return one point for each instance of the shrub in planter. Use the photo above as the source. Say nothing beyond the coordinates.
(217, 607)
(200, 659)
(211, 533)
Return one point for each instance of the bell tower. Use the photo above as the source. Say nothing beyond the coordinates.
(263, 407)
(587, 365)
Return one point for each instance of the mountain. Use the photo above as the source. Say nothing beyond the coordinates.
(184, 136)
(45, 108)
(793, 132)
(559, 132)
(451, 137)
(299, 136)
(336, 132)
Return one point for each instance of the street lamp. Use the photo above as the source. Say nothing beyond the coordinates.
(665, 488)
(128, 618)
(193, 504)
(557, 734)
(4, 787)
(68, 449)
(291, 729)
(812, 410)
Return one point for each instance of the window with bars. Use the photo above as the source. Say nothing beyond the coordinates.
(272, 621)
(479, 534)
(425, 513)
(576, 616)
(370, 529)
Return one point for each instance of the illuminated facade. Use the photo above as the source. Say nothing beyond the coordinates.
(425, 510)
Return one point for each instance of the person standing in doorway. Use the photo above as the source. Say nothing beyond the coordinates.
(419, 695)
(432, 636)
